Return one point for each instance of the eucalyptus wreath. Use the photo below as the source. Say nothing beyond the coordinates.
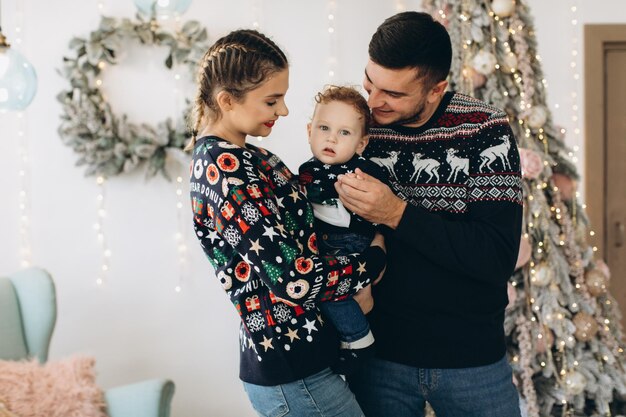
(107, 143)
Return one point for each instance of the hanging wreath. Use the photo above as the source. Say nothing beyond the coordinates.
(107, 143)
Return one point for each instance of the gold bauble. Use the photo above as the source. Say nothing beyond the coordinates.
(596, 282)
(586, 326)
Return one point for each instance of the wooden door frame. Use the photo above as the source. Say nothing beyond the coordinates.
(597, 40)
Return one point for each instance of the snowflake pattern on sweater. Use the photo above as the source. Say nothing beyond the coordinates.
(454, 249)
(468, 154)
(255, 226)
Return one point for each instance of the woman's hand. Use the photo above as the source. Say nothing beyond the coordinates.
(364, 299)
(379, 240)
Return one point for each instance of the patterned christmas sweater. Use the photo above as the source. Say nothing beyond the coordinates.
(441, 303)
(255, 226)
(319, 180)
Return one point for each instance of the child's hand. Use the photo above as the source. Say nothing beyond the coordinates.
(377, 280)
(364, 299)
(379, 240)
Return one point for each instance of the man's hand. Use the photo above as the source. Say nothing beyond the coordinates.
(370, 198)
(364, 299)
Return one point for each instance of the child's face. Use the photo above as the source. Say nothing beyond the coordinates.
(336, 132)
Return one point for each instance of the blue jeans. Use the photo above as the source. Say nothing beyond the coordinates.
(324, 394)
(345, 315)
(386, 389)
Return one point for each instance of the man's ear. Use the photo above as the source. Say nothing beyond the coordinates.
(224, 101)
(437, 91)
(308, 131)
(362, 144)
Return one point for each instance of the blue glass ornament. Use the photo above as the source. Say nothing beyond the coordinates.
(162, 8)
(18, 80)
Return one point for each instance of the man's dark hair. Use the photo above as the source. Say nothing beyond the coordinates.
(413, 39)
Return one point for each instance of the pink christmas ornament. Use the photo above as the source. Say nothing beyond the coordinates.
(566, 185)
(532, 164)
(478, 80)
(523, 256)
(545, 342)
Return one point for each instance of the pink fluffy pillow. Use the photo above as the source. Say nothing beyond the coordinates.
(64, 388)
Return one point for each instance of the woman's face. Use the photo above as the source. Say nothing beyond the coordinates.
(256, 114)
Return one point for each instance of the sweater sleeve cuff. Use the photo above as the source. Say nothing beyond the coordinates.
(408, 223)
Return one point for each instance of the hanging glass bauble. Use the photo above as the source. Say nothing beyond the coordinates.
(537, 117)
(18, 80)
(484, 62)
(586, 326)
(503, 8)
(542, 276)
(596, 282)
(162, 8)
(575, 382)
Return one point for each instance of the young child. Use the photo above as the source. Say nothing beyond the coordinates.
(257, 230)
(338, 134)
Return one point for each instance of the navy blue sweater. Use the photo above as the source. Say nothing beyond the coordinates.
(255, 226)
(441, 303)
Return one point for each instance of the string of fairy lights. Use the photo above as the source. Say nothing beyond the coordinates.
(331, 9)
(101, 181)
(179, 237)
(257, 8)
(257, 17)
(575, 97)
(24, 167)
(101, 213)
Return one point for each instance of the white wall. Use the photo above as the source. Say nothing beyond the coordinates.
(557, 37)
(136, 325)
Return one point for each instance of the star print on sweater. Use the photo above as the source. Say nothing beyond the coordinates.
(255, 226)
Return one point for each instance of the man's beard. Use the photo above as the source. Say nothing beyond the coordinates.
(419, 111)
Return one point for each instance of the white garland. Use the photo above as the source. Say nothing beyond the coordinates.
(107, 143)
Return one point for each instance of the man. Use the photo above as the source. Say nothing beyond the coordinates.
(454, 215)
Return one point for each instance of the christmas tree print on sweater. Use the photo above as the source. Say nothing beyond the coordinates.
(255, 226)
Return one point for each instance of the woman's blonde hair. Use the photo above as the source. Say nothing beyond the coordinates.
(236, 63)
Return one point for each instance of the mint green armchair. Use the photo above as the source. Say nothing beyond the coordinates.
(27, 317)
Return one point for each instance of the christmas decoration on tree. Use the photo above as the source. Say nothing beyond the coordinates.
(562, 325)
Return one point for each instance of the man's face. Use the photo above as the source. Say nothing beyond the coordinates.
(396, 96)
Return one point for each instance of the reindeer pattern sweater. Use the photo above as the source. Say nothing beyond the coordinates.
(255, 226)
(441, 302)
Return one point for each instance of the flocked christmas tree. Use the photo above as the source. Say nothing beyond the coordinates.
(562, 325)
